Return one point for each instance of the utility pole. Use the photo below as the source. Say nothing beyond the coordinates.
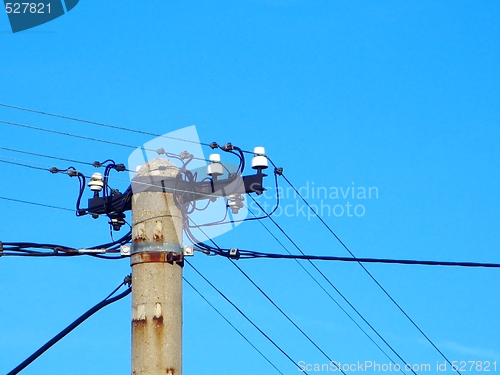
(157, 261)
(157, 257)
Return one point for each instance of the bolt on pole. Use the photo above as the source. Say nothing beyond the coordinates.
(157, 261)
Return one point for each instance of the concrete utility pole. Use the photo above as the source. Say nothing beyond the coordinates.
(156, 260)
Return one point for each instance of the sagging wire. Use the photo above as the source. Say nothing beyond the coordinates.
(244, 315)
(73, 172)
(231, 324)
(230, 148)
(116, 219)
(105, 302)
(109, 250)
(249, 254)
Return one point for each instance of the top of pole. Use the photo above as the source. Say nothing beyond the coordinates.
(158, 167)
(156, 220)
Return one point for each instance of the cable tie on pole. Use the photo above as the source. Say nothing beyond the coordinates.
(128, 280)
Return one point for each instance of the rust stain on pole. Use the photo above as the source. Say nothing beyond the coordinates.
(157, 257)
(158, 233)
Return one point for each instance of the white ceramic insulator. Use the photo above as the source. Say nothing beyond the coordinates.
(214, 158)
(235, 205)
(260, 158)
(215, 167)
(235, 197)
(96, 183)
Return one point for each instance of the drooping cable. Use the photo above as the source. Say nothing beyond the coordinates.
(276, 306)
(101, 124)
(232, 326)
(78, 136)
(105, 251)
(250, 254)
(105, 302)
(25, 165)
(340, 293)
(243, 314)
(370, 274)
(325, 291)
(37, 204)
(46, 156)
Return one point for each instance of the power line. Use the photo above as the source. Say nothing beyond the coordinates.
(46, 156)
(275, 305)
(40, 249)
(102, 124)
(323, 288)
(243, 314)
(212, 145)
(249, 254)
(286, 316)
(369, 274)
(52, 169)
(37, 204)
(153, 134)
(67, 134)
(338, 291)
(25, 165)
(254, 254)
(159, 151)
(72, 326)
(232, 325)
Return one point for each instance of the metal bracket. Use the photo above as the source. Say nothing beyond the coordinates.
(156, 247)
(157, 257)
(192, 191)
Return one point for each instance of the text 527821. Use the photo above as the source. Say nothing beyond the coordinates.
(23, 8)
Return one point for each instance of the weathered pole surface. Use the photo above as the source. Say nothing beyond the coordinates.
(156, 262)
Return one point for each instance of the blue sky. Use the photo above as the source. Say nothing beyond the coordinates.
(401, 96)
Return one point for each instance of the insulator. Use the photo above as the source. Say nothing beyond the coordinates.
(259, 160)
(215, 167)
(235, 202)
(96, 183)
